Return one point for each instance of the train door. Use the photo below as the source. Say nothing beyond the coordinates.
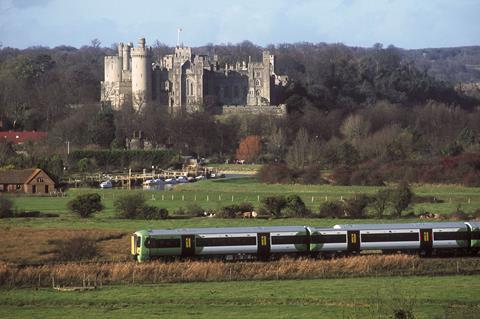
(353, 237)
(426, 241)
(188, 245)
(263, 246)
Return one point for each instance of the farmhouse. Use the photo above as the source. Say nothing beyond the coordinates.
(30, 181)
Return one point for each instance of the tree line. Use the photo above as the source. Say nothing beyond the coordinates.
(348, 108)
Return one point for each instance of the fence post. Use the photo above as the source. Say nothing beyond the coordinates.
(183, 197)
(163, 197)
(312, 198)
(326, 198)
(258, 198)
(195, 197)
(173, 196)
(219, 197)
(208, 198)
(232, 198)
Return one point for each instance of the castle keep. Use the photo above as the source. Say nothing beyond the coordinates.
(187, 83)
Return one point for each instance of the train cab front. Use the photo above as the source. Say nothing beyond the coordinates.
(137, 245)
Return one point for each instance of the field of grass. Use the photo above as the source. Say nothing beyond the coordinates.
(213, 194)
(425, 297)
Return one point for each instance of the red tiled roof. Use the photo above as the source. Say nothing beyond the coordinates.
(21, 137)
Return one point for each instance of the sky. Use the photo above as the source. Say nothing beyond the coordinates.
(403, 23)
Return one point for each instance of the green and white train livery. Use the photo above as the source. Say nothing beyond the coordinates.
(264, 243)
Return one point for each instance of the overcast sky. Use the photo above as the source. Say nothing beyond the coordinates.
(403, 23)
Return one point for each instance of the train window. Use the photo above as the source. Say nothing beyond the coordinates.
(327, 239)
(386, 237)
(225, 241)
(285, 240)
(162, 243)
(139, 241)
(462, 235)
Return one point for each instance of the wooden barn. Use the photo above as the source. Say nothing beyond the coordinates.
(29, 181)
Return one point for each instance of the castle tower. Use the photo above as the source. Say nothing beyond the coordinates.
(141, 75)
(267, 72)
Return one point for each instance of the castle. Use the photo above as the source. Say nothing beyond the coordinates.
(186, 82)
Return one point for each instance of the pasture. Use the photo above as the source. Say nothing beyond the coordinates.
(213, 194)
(375, 297)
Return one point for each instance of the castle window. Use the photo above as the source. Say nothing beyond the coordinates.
(257, 82)
(191, 89)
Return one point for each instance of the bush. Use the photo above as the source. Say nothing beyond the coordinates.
(331, 209)
(245, 207)
(230, 211)
(274, 205)
(295, 207)
(194, 210)
(34, 214)
(341, 175)
(355, 207)
(75, 249)
(130, 206)
(6, 205)
(150, 212)
(86, 204)
(380, 201)
(401, 197)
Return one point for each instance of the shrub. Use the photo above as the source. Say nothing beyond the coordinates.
(472, 179)
(194, 210)
(273, 205)
(230, 211)
(150, 212)
(276, 174)
(401, 197)
(295, 207)
(130, 206)
(6, 205)
(380, 201)
(331, 209)
(355, 207)
(75, 249)
(245, 207)
(86, 204)
(341, 175)
(34, 214)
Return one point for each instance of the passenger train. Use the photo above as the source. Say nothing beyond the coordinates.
(265, 243)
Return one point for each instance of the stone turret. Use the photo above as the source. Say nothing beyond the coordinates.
(141, 75)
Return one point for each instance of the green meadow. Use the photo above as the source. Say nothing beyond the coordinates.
(375, 297)
(213, 194)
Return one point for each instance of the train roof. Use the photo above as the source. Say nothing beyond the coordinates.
(401, 226)
(222, 230)
(474, 223)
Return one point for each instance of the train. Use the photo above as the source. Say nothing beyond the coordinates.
(267, 243)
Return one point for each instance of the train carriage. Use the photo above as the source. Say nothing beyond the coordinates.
(266, 242)
(327, 240)
(232, 242)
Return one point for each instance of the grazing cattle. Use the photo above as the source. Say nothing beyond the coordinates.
(249, 214)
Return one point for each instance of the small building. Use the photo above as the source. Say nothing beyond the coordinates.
(29, 181)
(18, 138)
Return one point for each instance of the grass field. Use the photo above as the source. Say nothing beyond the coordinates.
(213, 194)
(425, 297)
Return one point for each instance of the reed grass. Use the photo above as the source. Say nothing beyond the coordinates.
(98, 273)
